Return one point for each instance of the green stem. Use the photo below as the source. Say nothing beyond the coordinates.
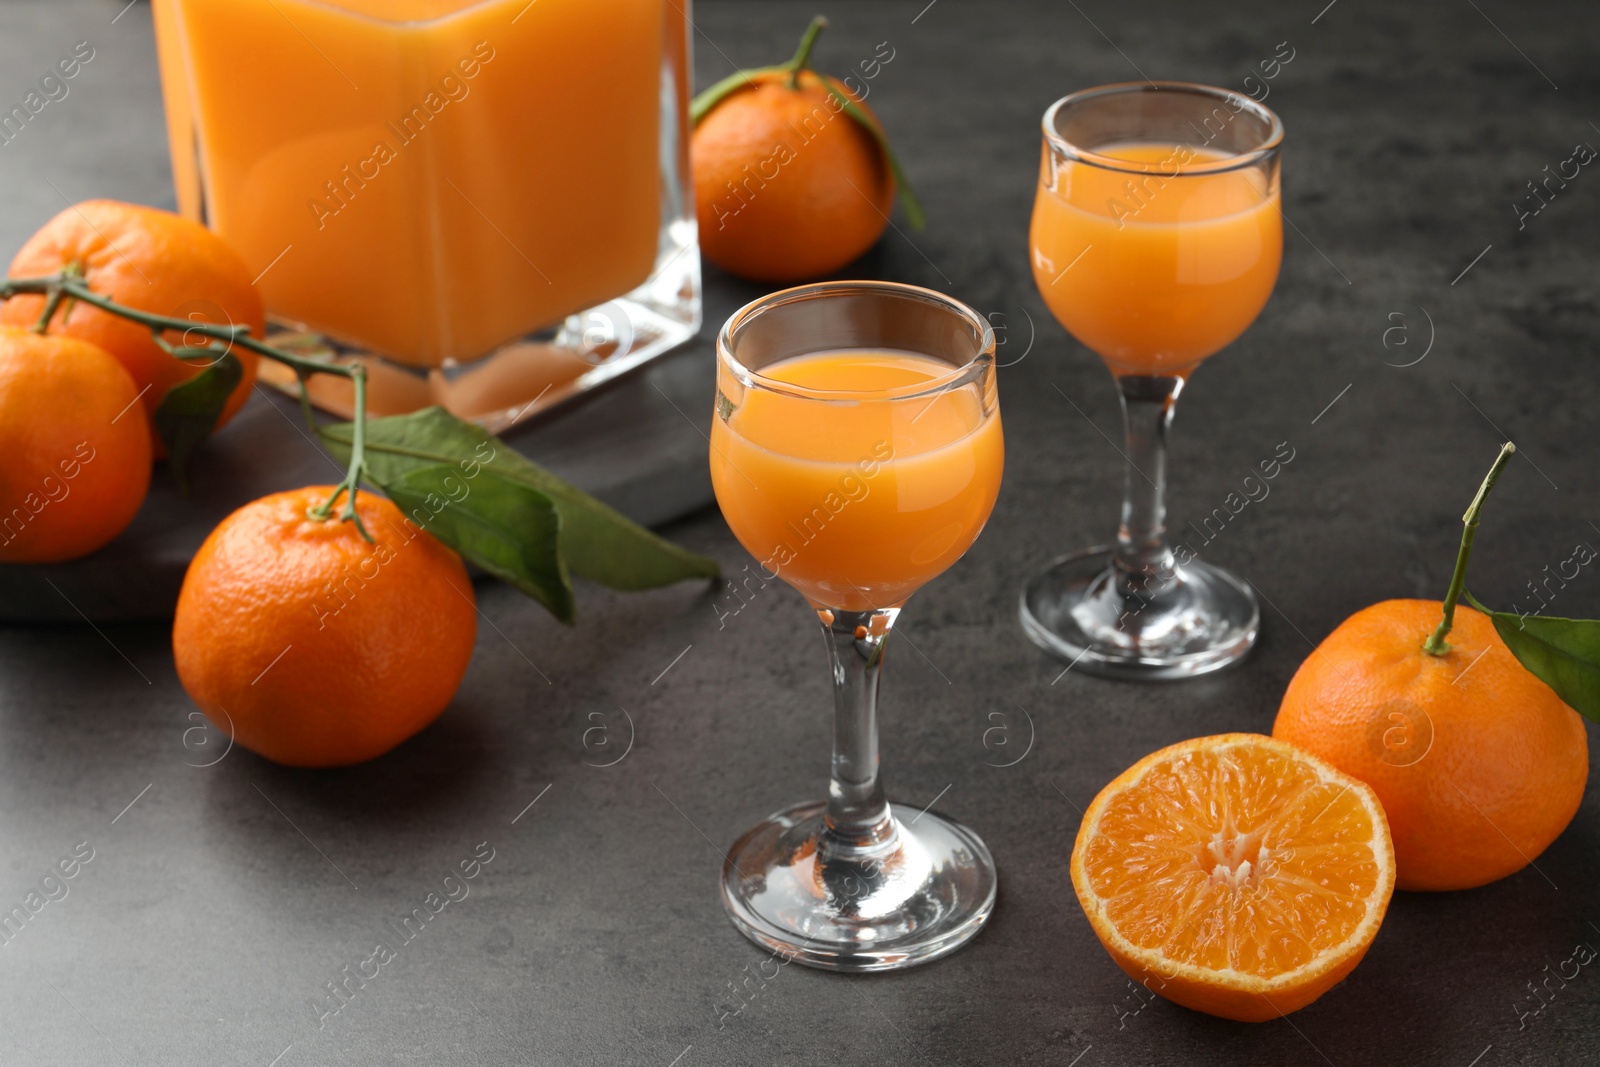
(358, 456)
(52, 303)
(802, 55)
(305, 402)
(297, 363)
(1436, 645)
(77, 289)
(54, 296)
(69, 283)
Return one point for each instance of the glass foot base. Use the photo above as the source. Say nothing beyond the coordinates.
(921, 895)
(1202, 621)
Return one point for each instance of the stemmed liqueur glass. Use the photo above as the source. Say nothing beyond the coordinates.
(856, 453)
(1155, 241)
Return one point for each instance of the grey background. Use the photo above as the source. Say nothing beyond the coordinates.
(218, 904)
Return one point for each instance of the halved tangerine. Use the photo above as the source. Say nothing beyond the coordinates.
(1235, 874)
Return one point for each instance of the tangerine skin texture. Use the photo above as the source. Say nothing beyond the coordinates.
(75, 468)
(786, 187)
(149, 260)
(314, 648)
(1508, 761)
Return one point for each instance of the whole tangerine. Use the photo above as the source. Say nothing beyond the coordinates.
(149, 260)
(788, 183)
(77, 458)
(1478, 763)
(314, 647)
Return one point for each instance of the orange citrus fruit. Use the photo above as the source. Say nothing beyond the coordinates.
(152, 261)
(77, 455)
(1236, 875)
(310, 645)
(787, 185)
(1478, 763)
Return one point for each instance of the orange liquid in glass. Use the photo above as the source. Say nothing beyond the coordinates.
(857, 503)
(1155, 271)
(426, 178)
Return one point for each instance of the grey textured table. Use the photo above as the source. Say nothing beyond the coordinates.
(220, 900)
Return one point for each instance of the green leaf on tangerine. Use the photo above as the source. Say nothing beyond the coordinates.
(1562, 653)
(506, 528)
(597, 542)
(188, 412)
(902, 184)
(702, 104)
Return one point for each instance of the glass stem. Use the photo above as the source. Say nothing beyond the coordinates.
(1143, 561)
(857, 817)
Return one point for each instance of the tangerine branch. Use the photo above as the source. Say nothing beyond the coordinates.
(69, 284)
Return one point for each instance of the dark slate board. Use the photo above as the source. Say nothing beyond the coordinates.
(633, 445)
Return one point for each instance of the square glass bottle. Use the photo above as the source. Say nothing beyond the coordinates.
(490, 195)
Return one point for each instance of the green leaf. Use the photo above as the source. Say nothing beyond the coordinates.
(597, 542)
(1562, 653)
(189, 410)
(702, 104)
(902, 184)
(508, 529)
